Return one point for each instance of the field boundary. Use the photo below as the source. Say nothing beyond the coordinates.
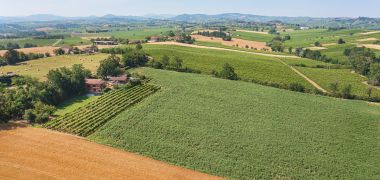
(316, 85)
(57, 42)
(219, 48)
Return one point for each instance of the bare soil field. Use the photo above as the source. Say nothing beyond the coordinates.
(329, 44)
(372, 46)
(32, 153)
(367, 39)
(257, 32)
(240, 42)
(316, 48)
(41, 50)
(371, 32)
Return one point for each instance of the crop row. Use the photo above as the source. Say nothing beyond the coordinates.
(85, 120)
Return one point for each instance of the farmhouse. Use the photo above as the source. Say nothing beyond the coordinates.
(117, 80)
(95, 85)
(155, 39)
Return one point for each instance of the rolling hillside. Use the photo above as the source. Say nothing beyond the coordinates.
(242, 130)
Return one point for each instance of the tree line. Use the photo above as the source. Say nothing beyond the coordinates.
(11, 45)
(12, 57)
(219, 34)
(34, 100)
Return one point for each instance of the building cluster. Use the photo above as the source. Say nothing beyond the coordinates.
(98, 85)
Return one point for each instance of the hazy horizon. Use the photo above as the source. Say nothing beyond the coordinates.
(291, 8)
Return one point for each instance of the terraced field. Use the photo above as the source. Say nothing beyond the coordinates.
(87, 119)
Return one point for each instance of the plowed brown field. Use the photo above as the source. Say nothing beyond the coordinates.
(240, 42)
(32, 153)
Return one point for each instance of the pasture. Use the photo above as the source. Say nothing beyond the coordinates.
(40, 67)
(246, 131)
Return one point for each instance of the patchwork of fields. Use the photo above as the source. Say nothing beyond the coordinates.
(243, 130)
(248, 67)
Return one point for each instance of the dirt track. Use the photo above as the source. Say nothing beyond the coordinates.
(305, 77)
(223, 49)
(31, 153)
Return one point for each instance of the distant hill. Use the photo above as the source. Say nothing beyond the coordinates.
(360, 22)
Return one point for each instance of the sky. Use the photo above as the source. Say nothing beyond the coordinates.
(312, 8)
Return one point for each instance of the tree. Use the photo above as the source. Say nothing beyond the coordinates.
(369, 91)
(134, 58)
(317, 44)
(290, 50)
(67, 82)
(228, 72)
(346, 92)
(176, 64)
(287, 37)
(40, 113)
(341, 41)
(139, 46)
(374, 74)
(334, 87)
(59, 51)
(171, 34)
(360, 59)
(109, 67)
(12, 57)
(165, 60)
(297, 87)
(272, 31)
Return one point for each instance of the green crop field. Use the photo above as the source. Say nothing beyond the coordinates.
(40, 67)
(247, 66)
(73, 104)
(246, 131)
(307, 38)
(74, 41)
(252, 36)
(336, 52)
(138, 34)
(22, 41)
(86, 119)
(324, 77)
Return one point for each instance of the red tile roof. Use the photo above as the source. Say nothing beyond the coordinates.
(95, 81)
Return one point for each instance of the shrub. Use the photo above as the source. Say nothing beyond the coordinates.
(296, 87)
